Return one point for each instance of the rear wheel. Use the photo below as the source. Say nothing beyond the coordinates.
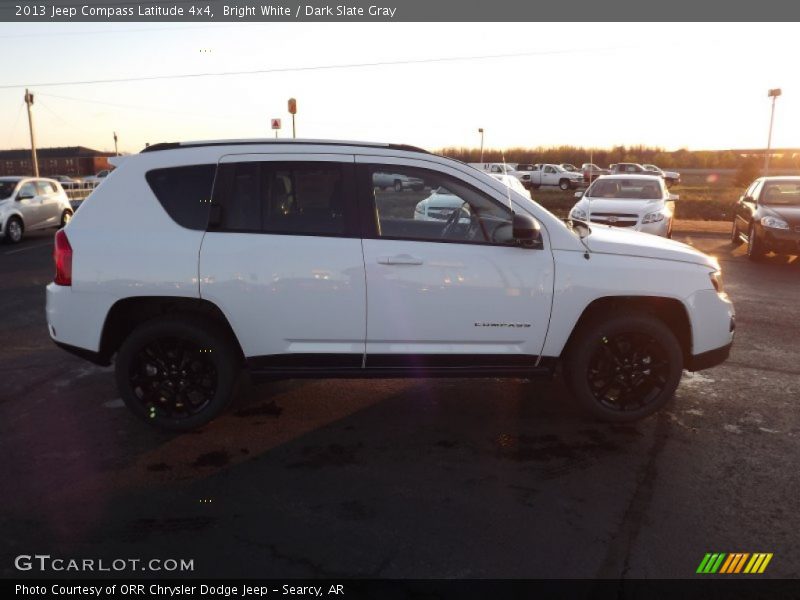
(177, 372)
(564, 184)
(66, 217)
(623, 367)
(755, 247)
(14, 230)
(398, 186)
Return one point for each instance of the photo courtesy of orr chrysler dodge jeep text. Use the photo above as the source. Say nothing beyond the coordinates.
(293, 259)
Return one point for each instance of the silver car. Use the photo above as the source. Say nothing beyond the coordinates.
(28, 204)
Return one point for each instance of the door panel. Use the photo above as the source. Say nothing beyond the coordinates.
(51, 215)
(286, 293)
(442, 282)
(31, 208)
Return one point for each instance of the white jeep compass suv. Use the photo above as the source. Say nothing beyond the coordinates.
(288, 258)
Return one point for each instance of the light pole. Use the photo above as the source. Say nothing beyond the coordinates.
(116, 149)
(480, 130)
(773, 93)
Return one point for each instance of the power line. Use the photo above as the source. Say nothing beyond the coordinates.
(313, 68)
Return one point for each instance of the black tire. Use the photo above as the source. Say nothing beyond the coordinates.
(398, 185)
(65, 218)
(535, 186)
(564, 184)
(623, 367)
(15, 230)
(736, 239)
(177, 372)
(755, 247)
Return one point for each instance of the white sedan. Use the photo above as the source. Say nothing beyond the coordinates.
(638, 202)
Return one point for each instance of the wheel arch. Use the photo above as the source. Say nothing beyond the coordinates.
(671, 311)
(127, 314)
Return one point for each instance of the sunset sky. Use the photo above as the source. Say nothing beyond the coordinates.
(699, 86)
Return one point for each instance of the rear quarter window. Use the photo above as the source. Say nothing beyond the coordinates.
(184, 192)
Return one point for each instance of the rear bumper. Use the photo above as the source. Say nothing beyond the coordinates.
(709, 359)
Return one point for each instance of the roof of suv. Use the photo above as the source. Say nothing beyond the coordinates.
(246, 142)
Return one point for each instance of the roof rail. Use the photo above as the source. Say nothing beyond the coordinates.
(174, 145)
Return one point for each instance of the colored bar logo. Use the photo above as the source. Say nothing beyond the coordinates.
(733, 563)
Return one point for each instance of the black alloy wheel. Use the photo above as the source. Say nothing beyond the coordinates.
(178, 372)
(173, 378)
(627, 371)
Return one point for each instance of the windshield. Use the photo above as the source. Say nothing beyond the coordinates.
(625, 189)
(782, 193)
(6, 189)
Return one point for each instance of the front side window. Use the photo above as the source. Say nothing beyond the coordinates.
(438, 208)
(27, 191)
(302, 198)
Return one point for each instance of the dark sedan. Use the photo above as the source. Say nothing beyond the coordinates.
(767, 217)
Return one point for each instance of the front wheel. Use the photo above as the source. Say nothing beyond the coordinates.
(398, 186)
(14, 230)
(623, 367)
(736, 239)
(755, 247)
(177, 372)
(564, 184)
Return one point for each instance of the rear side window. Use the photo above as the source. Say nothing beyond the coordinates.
(184, 192)
(46, 187)
(297, 198)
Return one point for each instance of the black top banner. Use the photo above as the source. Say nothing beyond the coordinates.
(397, 10)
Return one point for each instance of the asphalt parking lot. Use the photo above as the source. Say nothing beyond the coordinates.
(403, 478)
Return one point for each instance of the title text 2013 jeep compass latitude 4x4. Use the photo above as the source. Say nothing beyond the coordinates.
(194, 260)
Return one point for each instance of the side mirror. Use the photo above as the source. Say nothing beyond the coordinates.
(579, 194)
(674, 197)
(526, 231)
(748, 199)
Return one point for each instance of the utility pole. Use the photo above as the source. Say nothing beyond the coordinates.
(116, 150)
(34, 159)
(774, 93)
(480, 130)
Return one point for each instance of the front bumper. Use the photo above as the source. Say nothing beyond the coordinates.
(781, 241)
(706, 360)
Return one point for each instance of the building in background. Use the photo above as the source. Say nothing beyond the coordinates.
(75, 161)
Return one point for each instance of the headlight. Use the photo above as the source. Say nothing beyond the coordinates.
(419, 208)
(579, 214)
(774, 223)
(716, 280)
(653, 217)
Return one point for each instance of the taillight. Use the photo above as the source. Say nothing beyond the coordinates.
(62, 256)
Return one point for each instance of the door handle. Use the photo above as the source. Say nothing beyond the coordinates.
(400, 259)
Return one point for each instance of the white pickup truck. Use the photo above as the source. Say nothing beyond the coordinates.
(534, 176)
